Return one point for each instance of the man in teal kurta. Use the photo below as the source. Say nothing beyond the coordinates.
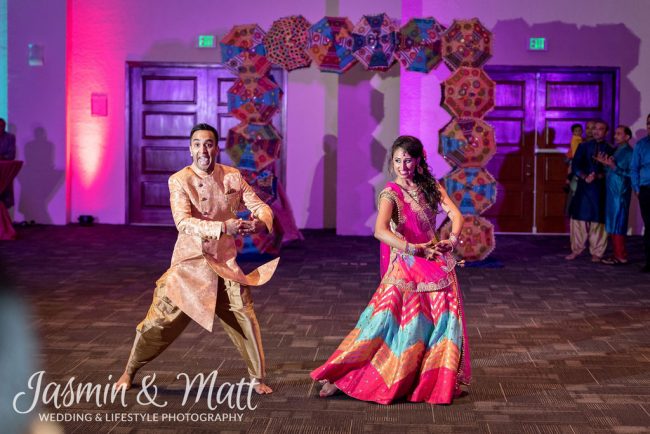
(619, 193)
(587, 209)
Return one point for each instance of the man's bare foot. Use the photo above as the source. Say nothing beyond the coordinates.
(328, 389)
(262, 389)
(124, 381)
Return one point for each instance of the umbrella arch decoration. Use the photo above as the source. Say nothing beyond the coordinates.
(374, 41)
(377, 42)
(469, 93)
(329, 44)
(247, 38)
(466, 43)
(467, 142)
(473, 189)
(286, 42)
(476, 238)
(420, 44)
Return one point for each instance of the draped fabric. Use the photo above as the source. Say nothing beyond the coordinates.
(410, 340)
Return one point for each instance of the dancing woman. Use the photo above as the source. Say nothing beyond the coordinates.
(410, 340)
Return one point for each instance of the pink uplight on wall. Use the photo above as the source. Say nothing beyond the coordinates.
(90, 141)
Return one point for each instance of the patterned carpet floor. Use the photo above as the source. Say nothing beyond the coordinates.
(557, 346)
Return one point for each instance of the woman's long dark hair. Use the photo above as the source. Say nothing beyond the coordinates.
(423, 177)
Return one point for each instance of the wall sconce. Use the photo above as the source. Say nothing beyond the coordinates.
(98, 104)
(35, 55)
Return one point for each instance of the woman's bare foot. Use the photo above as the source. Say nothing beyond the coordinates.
(328, 389)
(262, 389)
(124, 381)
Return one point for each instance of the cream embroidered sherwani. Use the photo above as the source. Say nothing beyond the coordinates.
(204, 277)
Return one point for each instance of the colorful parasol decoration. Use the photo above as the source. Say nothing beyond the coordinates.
(467, 142)
(329, 44)
(468, 93)
(466, 43)
(253, 146)
(476, 239)
(256, 102)
(420, 44)
(375, 41)
(251, 67)
(473, 189)
(247, 38)
(286, 42)
(264, 183)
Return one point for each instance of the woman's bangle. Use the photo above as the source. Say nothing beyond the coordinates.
(454, 239)
(409, 249)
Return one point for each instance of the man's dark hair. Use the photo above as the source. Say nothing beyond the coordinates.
(574, 126)
(204, 127)
(626, 130)
(600, 121)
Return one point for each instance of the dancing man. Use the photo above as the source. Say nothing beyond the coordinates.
(204, 278)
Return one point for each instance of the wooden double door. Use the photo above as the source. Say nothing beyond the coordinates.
(535, 108)
(165, 100)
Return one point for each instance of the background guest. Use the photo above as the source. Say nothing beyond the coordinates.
(640, 175)
(618, 194)
(587, 209)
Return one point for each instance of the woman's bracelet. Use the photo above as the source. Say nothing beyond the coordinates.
(454, 239)
(409, 249)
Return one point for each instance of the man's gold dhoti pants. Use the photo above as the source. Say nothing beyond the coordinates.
(165, 322)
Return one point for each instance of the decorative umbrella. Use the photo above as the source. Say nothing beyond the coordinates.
(467, 142)
(249, 67)
(256, 102)
(472, 189)
(253, 146)
(241, 39)
(468, 93)
(286, 42)
(476, 239)
(419, 47)
(264, 183)
(375, 41)
(329, 44)
(466, 43)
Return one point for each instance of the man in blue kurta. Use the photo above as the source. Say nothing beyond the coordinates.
(640, 174)
(587, 210)
(618, 194)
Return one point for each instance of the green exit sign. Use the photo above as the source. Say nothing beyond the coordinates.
(206, 41)
(537, 44)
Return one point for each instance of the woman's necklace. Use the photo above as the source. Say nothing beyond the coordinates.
(414, 193)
